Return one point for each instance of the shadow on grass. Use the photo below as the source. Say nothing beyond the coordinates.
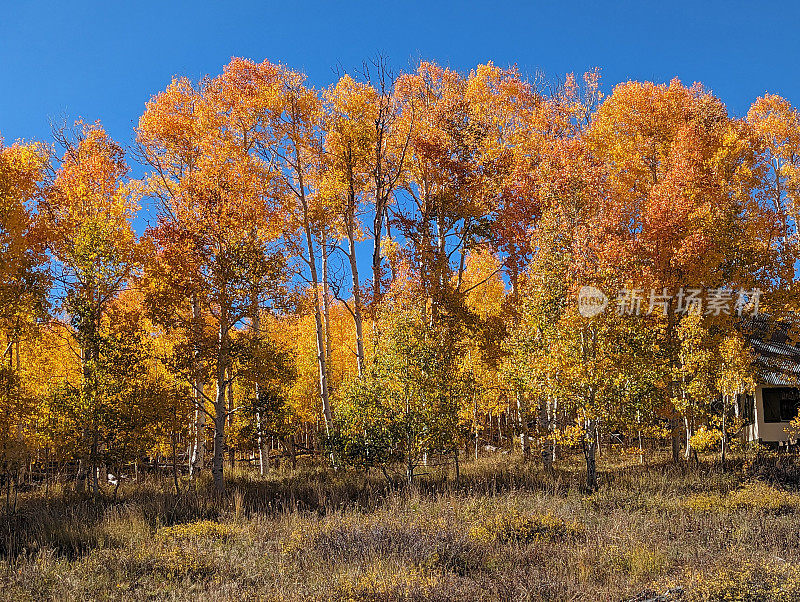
(73, 524)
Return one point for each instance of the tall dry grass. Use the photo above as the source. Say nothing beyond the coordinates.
(506, 531)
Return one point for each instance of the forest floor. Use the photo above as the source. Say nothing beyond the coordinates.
(506, 531)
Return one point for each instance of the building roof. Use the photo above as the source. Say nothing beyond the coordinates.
(776, 346)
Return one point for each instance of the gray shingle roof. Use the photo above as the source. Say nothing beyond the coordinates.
(776, 346)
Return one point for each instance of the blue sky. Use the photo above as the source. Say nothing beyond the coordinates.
(103, 60)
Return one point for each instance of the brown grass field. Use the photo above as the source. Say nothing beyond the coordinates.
(506, 531)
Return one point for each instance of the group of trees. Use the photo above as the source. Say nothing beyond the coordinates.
(241, 319)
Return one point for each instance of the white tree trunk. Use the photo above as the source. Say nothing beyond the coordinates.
(197, 460)
(220, 409)
(356, 289)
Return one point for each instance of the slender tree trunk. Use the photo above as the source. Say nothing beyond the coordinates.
(545, 428)
(688, 428)
(553, 427)
(522, 406)
(218, 458)
(475, 419)
(231, 407)
(312, 264)
(290, 447)
(377, 233)
(326, 306)
(409, 445)
(724, 440)
(589, 450)
(321, 363)
(676, 439)
(220, 408)
(263, 457)
(598, 438)
(522, 425)
(119, 480)
(174, 466)
(641, 449)
(263, 454)
(356, 288)
(590, 424)
(197, 460)
(95, 467)
(674, 362)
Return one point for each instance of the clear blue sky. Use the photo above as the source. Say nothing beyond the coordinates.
(103, 60)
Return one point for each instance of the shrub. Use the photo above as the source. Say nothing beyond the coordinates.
(705, 439)
(755, 496)
(639, 561)
(204, 529)
(520, 527)
(760, 496)
(750, 581)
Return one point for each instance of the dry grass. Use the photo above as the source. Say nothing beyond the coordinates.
(508, 531)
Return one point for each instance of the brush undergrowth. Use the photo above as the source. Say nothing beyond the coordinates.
(506, 531)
